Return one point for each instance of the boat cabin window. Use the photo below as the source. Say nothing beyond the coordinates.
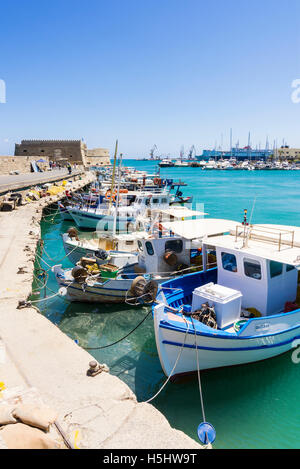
(155, 201)
(164, 201)
(229, 262)
(149, 248)
(289, 268)
(275, 269)
(252, 269)
(175, 245)
(140, 245)
(147, 202)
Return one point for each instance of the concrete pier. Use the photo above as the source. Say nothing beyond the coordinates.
(95, 412)
(23, 181)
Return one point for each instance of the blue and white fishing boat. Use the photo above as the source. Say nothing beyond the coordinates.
(121, 249)
(241, 311)
(123, 217)
(161, 255)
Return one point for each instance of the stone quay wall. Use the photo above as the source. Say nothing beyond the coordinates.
(22, 164)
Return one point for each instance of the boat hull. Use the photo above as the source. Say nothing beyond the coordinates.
(101, 222)
(216, 352)
(110, 291)
(180, 338)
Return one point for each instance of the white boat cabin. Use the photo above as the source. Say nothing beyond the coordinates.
(171, 247)
(261, 263)
(163, 255)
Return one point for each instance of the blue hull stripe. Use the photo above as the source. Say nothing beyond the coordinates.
(237, 349)
(94, 293)
(100, 217)
(227, 335)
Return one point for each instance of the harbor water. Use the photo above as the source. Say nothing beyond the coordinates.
(250, 406)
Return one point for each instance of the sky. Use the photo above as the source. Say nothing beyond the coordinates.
(167, 72)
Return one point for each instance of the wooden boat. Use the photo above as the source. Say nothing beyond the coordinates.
(241, 311)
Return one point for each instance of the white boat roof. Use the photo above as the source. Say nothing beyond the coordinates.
(180, 212)
(200, 228)
(279, 243)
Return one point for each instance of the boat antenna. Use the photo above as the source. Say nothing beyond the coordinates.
(249, 224)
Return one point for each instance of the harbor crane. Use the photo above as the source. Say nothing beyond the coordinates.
(181, 153)
(152, 152)
(192, 150)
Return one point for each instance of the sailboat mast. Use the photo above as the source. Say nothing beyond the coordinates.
(113, 176)
(118, 196)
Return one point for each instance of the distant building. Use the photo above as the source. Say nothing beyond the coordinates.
(63, 151)
(287, 153)
(240, 154)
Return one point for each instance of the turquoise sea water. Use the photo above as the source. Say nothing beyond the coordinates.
(251, 406)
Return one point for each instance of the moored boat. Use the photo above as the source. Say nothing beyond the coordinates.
(241, 311)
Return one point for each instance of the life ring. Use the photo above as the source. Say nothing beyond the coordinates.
(109, 195)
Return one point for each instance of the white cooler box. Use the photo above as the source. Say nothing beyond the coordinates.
(226, 301)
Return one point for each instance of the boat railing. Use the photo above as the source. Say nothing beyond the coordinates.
(270, 235)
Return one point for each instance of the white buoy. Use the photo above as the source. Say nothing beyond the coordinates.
(62, 291)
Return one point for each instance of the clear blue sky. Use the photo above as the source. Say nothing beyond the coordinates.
(164, 72)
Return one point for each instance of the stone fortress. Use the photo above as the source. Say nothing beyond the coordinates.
(59, 151)
(72, 151)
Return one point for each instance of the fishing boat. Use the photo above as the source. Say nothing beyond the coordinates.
(241, 311)
(124, 217)
(161, 255)
(109, 285)
(120, 249)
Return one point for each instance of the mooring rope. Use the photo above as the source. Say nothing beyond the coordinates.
(174, 367)
(198, 373)
(119, 340)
